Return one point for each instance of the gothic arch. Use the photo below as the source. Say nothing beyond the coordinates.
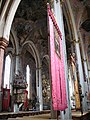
(79, 17)
(35, 52)
(14, 41)
(47, 58)
(38, 70)
(9, 17)
(68, 17)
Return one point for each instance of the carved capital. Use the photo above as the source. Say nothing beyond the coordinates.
(3, 43)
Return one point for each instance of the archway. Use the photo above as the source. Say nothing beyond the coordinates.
(31, 57)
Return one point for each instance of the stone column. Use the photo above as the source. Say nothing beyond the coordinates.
(78, 56)
(59, 17)
(3, 45)
(85, 70)
(80, 73)
(89, 79)
(18, 63)
(12, 73)
(40, 91)
(30, 86)
(37, 82)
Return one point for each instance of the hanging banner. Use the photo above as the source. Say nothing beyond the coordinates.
(59, 98)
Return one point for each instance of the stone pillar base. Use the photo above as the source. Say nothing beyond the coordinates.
(53, 114)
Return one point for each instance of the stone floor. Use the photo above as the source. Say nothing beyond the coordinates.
(35, 117)
(41, 115)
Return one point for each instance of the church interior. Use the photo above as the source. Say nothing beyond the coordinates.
(25, 76)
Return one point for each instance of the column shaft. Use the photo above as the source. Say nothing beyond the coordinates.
(3, 45)
(40, 91)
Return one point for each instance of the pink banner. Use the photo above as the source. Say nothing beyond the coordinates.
(57, 65)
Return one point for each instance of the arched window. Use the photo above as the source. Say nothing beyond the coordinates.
(7, 72)
(28, 79)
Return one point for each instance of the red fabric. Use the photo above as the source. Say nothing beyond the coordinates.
(6, 99)
(57, 65)
(25, 99)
